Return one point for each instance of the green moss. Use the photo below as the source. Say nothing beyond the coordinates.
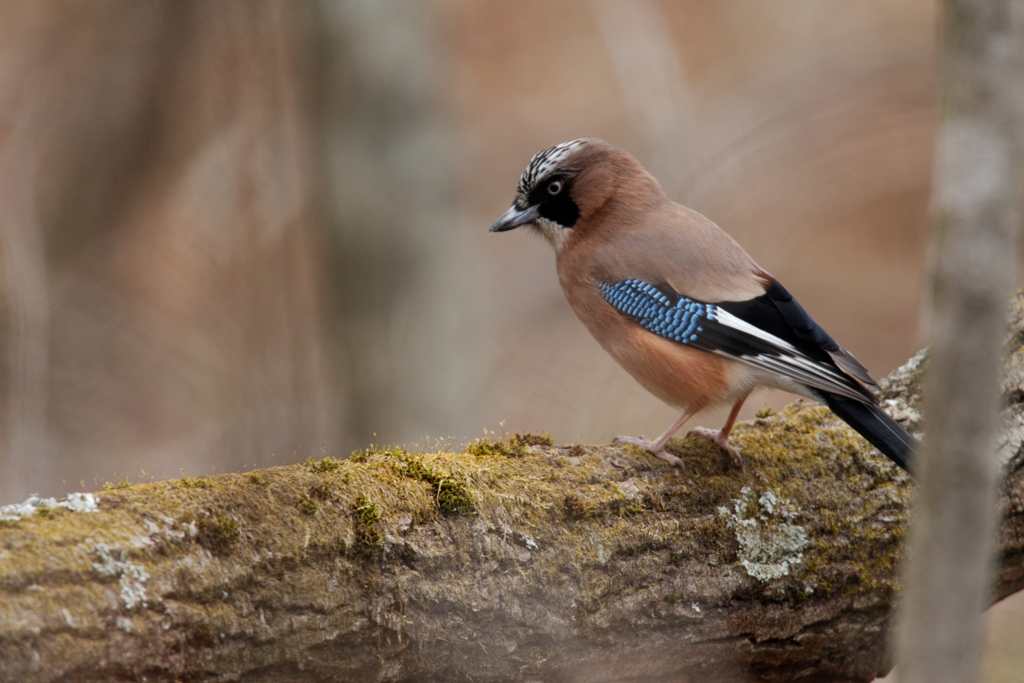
(123, 484)
(307, 505)
(453, 497)
(450, 493)
(514, 446)
(44, 511)
(198, 483)
(487, 447)
(414, 468)
(577, 507)
(322, 490)
(387, 451)
(322, 466)
(367, 516)
(218, 533)
(366, 511)
(330, 547)
(258, 478)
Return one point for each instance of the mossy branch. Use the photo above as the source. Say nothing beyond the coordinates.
(517, 560)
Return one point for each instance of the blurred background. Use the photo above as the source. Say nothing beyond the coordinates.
(237, 234)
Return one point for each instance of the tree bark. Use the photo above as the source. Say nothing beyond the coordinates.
(514, 561)
(976, 216)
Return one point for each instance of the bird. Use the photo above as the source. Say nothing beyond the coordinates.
(679, 304)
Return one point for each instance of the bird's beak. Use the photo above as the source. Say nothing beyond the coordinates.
(514, 217)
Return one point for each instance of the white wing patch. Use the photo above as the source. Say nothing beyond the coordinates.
(791, 363)
(726, 318)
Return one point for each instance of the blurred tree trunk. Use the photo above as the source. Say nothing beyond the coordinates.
(26, 457)
(977, 214)
(162, 273)
(402, 305)
(74, 145)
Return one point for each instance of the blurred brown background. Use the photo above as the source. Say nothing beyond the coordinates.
(237, 234)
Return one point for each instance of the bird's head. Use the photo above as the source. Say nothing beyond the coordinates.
(564, 186)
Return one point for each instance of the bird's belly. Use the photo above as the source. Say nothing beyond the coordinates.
(679, 375)
(682, 376)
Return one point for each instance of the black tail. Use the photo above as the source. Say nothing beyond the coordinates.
(883, 432)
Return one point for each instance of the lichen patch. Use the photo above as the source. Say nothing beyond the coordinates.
(770, 542)
(75, 502)
(110, 563)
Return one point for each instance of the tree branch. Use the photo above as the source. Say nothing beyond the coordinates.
(519, 560)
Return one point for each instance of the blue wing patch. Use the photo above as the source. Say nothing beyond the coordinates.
(754, 338)
(680, 320)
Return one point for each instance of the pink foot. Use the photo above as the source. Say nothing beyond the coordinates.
(715, 436)
(651, 447)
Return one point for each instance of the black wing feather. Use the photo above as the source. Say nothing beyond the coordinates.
(778, 313)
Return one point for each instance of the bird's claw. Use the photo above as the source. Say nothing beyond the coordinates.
(715, 436)
(649, 446)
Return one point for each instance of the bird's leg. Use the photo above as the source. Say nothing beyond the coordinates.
(657, 447)
(721, 437)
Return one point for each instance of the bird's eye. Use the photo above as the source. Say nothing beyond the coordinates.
(554, 187)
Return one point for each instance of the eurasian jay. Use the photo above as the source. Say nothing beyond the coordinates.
(679, 304)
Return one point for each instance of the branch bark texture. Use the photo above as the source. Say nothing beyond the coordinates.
(519, 560)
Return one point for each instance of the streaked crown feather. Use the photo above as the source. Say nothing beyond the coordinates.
(544, 163)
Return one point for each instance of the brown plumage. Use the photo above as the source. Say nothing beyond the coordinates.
(677, 302)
